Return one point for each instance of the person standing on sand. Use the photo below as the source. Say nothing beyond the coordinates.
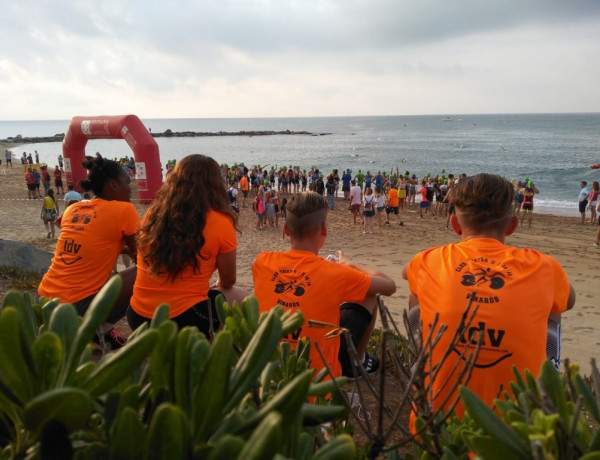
(368, 179)
(518, 295)
(50, 212)
(60, 161)
(425, 203)
(379, 206)
(355, 198)
(58, 183)
(245, 186)
(392, 205)
(30, 182)
(518, 197)
(346, 178)
(528, 193)
(594, 201)
(330, 187)
(597, 242)
(584, 195)
(45, 178)
(36, 179)
(369, 203)
(8, 155)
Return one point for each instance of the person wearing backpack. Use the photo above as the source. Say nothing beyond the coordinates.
(232, 194)
(330, 186)
(369, 202)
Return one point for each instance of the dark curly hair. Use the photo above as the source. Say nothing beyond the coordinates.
(171, 235)
(100, 171)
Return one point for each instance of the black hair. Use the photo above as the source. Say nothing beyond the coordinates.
(100, 172)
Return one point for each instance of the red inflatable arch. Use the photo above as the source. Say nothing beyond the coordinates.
(128, 127)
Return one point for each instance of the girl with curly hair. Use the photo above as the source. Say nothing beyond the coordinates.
(188, 232)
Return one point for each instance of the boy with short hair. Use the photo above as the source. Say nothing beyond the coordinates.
(515, 290)
(336, 294)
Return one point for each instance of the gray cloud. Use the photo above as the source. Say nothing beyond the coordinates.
(276, 58)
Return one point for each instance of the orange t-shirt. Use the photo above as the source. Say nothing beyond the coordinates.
(244, 183)
(516, 289)
(393, 198)
(91, 238)
(151, 290)
(301, 280)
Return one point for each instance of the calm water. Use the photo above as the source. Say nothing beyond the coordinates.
(554, 150)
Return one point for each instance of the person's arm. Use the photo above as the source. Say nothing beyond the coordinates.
(57, 207)
(226, 267)
(130, 247)
(571, 299)
(43, 207)
(380, 282)
(413, 300)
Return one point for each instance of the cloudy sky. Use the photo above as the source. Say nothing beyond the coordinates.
(279, 58)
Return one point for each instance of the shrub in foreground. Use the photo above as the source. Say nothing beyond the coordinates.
(167, 393)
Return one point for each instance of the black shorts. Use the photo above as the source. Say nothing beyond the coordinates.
(30, 186)
(356, 319)
(345, 188)
(196, 315)
(582, 205)
(58, 183)
(245, 193)
(390, 210)
(528, 207)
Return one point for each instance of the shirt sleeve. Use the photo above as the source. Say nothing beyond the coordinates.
(354, 284)
(228, 236)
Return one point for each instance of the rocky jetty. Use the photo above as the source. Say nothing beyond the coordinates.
(168, 133)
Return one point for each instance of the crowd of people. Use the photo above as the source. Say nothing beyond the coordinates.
(190, 231)
(379, 198)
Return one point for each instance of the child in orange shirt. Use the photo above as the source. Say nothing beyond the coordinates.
(337, 294)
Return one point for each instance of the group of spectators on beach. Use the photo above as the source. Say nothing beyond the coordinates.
(190, 231)
(374, 196)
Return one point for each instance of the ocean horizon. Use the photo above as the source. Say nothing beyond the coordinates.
(553, 150)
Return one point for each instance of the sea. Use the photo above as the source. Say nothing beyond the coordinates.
(555, 151)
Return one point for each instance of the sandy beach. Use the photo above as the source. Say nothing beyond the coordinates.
(388, 250)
